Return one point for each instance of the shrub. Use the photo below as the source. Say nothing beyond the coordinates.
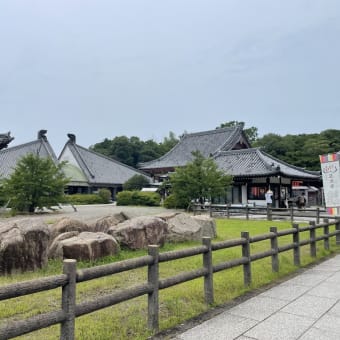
(105, 195)
(84, 199)
(124, 198)
(136, 182)
(138, 198)
(173, 202)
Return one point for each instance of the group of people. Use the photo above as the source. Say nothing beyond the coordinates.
(300, 201)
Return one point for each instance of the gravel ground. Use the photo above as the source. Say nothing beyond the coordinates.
(90, 213)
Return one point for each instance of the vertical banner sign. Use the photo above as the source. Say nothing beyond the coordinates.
(331, 181)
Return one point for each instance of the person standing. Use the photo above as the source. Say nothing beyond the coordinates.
(269, 197)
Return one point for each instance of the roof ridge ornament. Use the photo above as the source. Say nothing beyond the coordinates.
(72, 138)
(5, 139)
(42, 134)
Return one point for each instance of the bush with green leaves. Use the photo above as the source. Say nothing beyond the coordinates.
(138, 198)
(35, 183)
(173, 202)
(81, 199)
(136, 182)
(105, 195)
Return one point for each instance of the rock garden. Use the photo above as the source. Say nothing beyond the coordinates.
(27, 244)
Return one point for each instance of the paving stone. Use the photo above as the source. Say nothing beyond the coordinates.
(310, 306)
(224, 326)
(309, 280)
(335, 310)
(280, 326)
(286, 291)
(329, 322)
(326, 289)
(258, 307)
(319, 334)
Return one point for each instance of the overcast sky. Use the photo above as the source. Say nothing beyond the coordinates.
(106, 68)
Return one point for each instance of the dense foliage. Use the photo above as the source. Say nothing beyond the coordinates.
(138, 198)
(198, 180)
(102, 197)
(35, 183)
(132, 151)
(301, 150)
(136, 182)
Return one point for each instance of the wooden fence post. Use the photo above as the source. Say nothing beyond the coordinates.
(274, 246)
(296, 241)
(208, 278)
(292, 214)
(317, 215)
(68, 300)
(269, 213)
(337, 228)
(228, 212)
(246, 254)
(312, 239)
(326, 233)
(247, 212)
(153, 279)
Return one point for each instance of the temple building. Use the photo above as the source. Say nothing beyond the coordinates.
(253, 170)
(9, 157)
(90, 171)
(87, 170)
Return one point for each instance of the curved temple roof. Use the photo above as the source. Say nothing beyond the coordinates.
(207, 142)
(256, 163)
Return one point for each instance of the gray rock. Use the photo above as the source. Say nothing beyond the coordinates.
(184, 227)
(66, 224)
(23, 245)
(105, 223)
(208, 225)
(56, 248)
(87, 246)
(139, 232)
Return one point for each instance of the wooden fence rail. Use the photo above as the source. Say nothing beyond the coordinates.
(69, 311)
(229, 210)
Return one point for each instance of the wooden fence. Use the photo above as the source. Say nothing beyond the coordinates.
(68, 280)
(228, 210)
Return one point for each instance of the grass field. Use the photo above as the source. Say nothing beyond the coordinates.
(128, 320)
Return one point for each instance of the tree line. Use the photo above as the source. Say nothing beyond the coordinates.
(301, 150)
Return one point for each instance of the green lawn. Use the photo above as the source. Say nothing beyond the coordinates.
(128, 320)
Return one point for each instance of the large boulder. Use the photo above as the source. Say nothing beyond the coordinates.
(56, 248)
(139, 232)
(23, 245)
(184, 227)
(105, 223)
(66, 224)
(208, 225)
(84, 246)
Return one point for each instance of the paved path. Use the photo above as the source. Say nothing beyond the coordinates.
(306, 307)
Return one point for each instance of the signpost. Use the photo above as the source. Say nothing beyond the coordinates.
(330, 168)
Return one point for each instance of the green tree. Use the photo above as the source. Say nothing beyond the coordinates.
(132, 151)
(136, 182)
(198, 180)
(35, 183)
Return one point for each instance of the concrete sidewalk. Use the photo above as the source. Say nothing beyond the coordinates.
(306, 307)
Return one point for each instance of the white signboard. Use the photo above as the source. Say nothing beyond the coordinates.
(331, 179)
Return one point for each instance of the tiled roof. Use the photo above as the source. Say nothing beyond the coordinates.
(97, 168)
(254, 162)
(9, 157)
(207, 142)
